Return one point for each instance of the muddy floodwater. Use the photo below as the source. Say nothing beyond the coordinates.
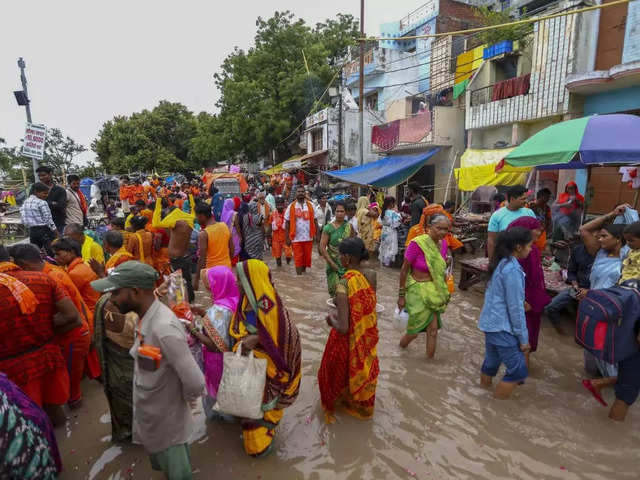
(432, 419)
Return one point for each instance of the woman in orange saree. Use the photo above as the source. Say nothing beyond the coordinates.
(348, 374)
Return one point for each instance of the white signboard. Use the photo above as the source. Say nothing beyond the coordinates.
(34, 138)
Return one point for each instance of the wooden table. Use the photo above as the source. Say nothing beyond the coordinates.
(475, 270)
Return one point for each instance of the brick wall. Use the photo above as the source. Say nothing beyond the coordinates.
(454, 16)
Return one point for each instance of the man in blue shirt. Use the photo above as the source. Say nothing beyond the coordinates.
(500, 220)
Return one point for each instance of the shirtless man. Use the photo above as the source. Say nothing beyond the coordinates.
(179, 225)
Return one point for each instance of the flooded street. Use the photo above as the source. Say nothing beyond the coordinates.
(432, 419)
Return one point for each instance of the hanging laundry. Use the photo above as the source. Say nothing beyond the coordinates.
(630, 175)
(386, 136)
(415, 128)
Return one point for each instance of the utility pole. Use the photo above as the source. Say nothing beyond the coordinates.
(340, 122)
(27, 106)
(361, 84)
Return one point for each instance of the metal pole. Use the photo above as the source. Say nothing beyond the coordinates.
(361, 83)
(340, 123)
(23, 79)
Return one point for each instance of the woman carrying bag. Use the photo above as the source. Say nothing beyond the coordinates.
(263, 325)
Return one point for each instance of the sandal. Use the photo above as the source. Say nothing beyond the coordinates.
(589, 386)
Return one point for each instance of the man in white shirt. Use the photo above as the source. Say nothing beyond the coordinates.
(323, 214)
(301, 232)
(36, 216)
(75, 209)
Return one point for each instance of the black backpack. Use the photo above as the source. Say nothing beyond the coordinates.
(607, 323)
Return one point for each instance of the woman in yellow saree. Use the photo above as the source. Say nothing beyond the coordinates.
(348, 374)
(263, 325)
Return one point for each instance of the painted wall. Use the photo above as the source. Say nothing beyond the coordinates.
(613, 101)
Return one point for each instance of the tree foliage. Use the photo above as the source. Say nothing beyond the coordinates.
(269, 89)
(60, 150)
(151, 140)
(490, 17)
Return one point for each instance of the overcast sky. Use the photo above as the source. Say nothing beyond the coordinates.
(88, 60)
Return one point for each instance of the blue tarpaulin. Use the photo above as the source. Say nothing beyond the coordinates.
(387, 171)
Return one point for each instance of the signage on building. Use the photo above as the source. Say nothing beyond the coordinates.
(631, 50)
(34, 139)
(316, 118)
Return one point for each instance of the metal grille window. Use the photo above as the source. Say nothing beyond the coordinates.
(316, 140)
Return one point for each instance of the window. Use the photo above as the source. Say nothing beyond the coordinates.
(506, 67)
(372, 101)
(316, 140)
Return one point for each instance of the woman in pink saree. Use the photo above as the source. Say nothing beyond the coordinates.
(535, 293)
(215, 336)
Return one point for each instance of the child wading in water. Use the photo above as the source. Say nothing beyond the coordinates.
(503, 317)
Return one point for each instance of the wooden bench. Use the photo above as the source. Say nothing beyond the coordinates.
(475, 270)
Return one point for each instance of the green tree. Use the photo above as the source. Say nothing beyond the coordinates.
(12, 163)
(268, 90)
(60, 150)
(490, 17)
(157, 140)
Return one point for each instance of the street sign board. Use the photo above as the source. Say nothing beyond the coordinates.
(34, 139)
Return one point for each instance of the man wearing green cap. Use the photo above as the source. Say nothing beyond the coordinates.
(166, 378)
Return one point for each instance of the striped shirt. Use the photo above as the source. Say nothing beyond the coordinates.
(36, 213)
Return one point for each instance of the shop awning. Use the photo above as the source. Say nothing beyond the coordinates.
(478, 168)
(280, 167)
(386, 172)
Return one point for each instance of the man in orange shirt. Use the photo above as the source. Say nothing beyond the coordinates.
(33, 309)
(141, 242)
(149, 193)
(75, 343)
(137, 192)
(214, 242)
(68, 254)
(125, 194)
(114, 245)
(301, 227)
(277, 235)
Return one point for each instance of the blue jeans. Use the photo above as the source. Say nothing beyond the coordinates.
(559, 303)
(502, 347)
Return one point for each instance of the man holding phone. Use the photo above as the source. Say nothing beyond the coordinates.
(166, 378)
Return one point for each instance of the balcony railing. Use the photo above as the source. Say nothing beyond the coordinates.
(553, 58)
(414, 129)
(501, 90)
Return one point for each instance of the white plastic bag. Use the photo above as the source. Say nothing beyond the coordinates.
(400, 319)
(242, 385)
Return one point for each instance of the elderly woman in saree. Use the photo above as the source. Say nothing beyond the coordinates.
(535, 293)
(422, 226)
(423, 288)
(366, 221)
(214, 337)
(348, 374)
(263, 325)
(114, 336)
(332, 234)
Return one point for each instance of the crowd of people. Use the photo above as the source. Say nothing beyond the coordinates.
(77, 302)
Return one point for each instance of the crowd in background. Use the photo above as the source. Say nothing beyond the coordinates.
(101, 302)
